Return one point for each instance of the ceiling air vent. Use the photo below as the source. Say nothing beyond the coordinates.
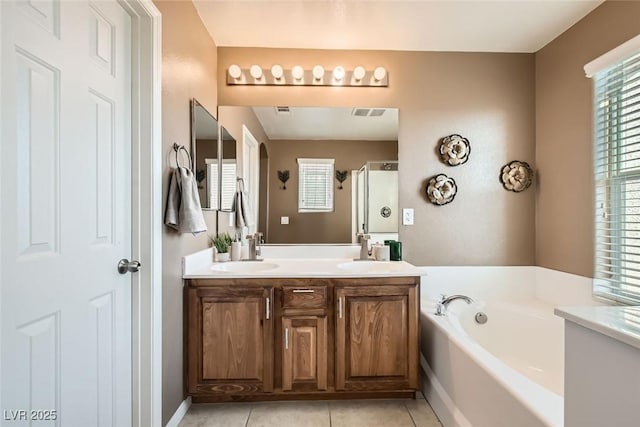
(283, 110)
(367, 112)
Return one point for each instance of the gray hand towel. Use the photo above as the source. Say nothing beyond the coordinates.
(183, 203)
(242, 216)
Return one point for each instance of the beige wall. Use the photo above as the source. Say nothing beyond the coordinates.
(325, 227)
(489, 98)
(188, 71)
(564, 144)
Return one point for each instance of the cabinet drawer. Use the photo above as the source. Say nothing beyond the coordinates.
(304, 297)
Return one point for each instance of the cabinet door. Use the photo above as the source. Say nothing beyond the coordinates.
(377, 337)
(230, 340)
(304, 355)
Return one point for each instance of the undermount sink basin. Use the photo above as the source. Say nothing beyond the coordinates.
(370, 266)
(243, 266)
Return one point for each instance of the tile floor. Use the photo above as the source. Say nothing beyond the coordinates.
(333, 413)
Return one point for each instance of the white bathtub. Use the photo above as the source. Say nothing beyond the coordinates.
(508, 372)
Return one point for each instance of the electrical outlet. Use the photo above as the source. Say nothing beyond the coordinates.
(407, 216)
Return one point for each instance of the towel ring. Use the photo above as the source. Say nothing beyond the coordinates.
(239, 184)
(176, 149)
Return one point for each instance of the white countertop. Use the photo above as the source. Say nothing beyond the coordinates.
(200, 266)
(620, 323)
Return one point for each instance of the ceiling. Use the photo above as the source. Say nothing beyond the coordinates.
(419, 25)
(324, 123)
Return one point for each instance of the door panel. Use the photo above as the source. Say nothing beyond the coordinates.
(66, 210)
(230, 339)
(376, 337)
(305, 352)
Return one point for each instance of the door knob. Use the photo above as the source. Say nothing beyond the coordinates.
(124, 266)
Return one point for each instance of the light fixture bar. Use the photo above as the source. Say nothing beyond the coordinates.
(298, 76)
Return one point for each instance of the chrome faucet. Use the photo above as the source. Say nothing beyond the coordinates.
(364, 246)
(441, 307)
(255, 248)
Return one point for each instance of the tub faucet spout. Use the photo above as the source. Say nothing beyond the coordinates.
(441, 307)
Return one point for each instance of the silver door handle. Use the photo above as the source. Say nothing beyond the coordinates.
(125, 266)
(286, 338)
(340, 307)
(268, 304)
(303, 291)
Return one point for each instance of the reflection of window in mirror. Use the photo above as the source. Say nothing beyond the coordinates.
(212, 183)
(315, 185)
(228, 182)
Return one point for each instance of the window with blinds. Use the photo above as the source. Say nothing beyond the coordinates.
(228, 182)
(617, 181)
(315, 185)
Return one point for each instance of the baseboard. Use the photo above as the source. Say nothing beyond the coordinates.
(180, 413)
(444, 407)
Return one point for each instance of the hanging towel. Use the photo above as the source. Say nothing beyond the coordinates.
(242, 215)
(183, 211)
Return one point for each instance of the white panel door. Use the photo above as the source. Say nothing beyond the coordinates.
(65, 213)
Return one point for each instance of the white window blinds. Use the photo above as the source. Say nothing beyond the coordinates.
(228, 182)
(315, 185)
(617, 181)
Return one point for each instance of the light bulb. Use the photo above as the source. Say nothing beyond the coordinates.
(358, 73)
(297, 72)
(235, 72)
(338, 73)
(256, 72)
(277, 72)
(379, 73)
(318, 72)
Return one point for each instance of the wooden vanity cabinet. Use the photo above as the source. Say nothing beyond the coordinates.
(229, 334)
(377, 339)
(269, 339)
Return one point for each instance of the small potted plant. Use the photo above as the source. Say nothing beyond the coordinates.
(222, 243)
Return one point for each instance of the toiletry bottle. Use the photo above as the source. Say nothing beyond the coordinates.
(236, 248)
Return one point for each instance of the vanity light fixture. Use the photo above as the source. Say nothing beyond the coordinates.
(277, 72)
(297, 72)
(318, 72)
(256, 72)
(358, 73)
(338, 73)
(379, 74)
(235, 72)
(317, 75)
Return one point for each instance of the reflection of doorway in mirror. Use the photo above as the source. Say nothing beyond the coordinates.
(263, 197)
(251, 173)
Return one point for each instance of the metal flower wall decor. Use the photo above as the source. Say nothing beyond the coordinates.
(516, 176)
(454, 149)
(341, 176)
(441, 189)
(283, 176)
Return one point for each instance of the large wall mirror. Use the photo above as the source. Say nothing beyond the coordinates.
(330, 140)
